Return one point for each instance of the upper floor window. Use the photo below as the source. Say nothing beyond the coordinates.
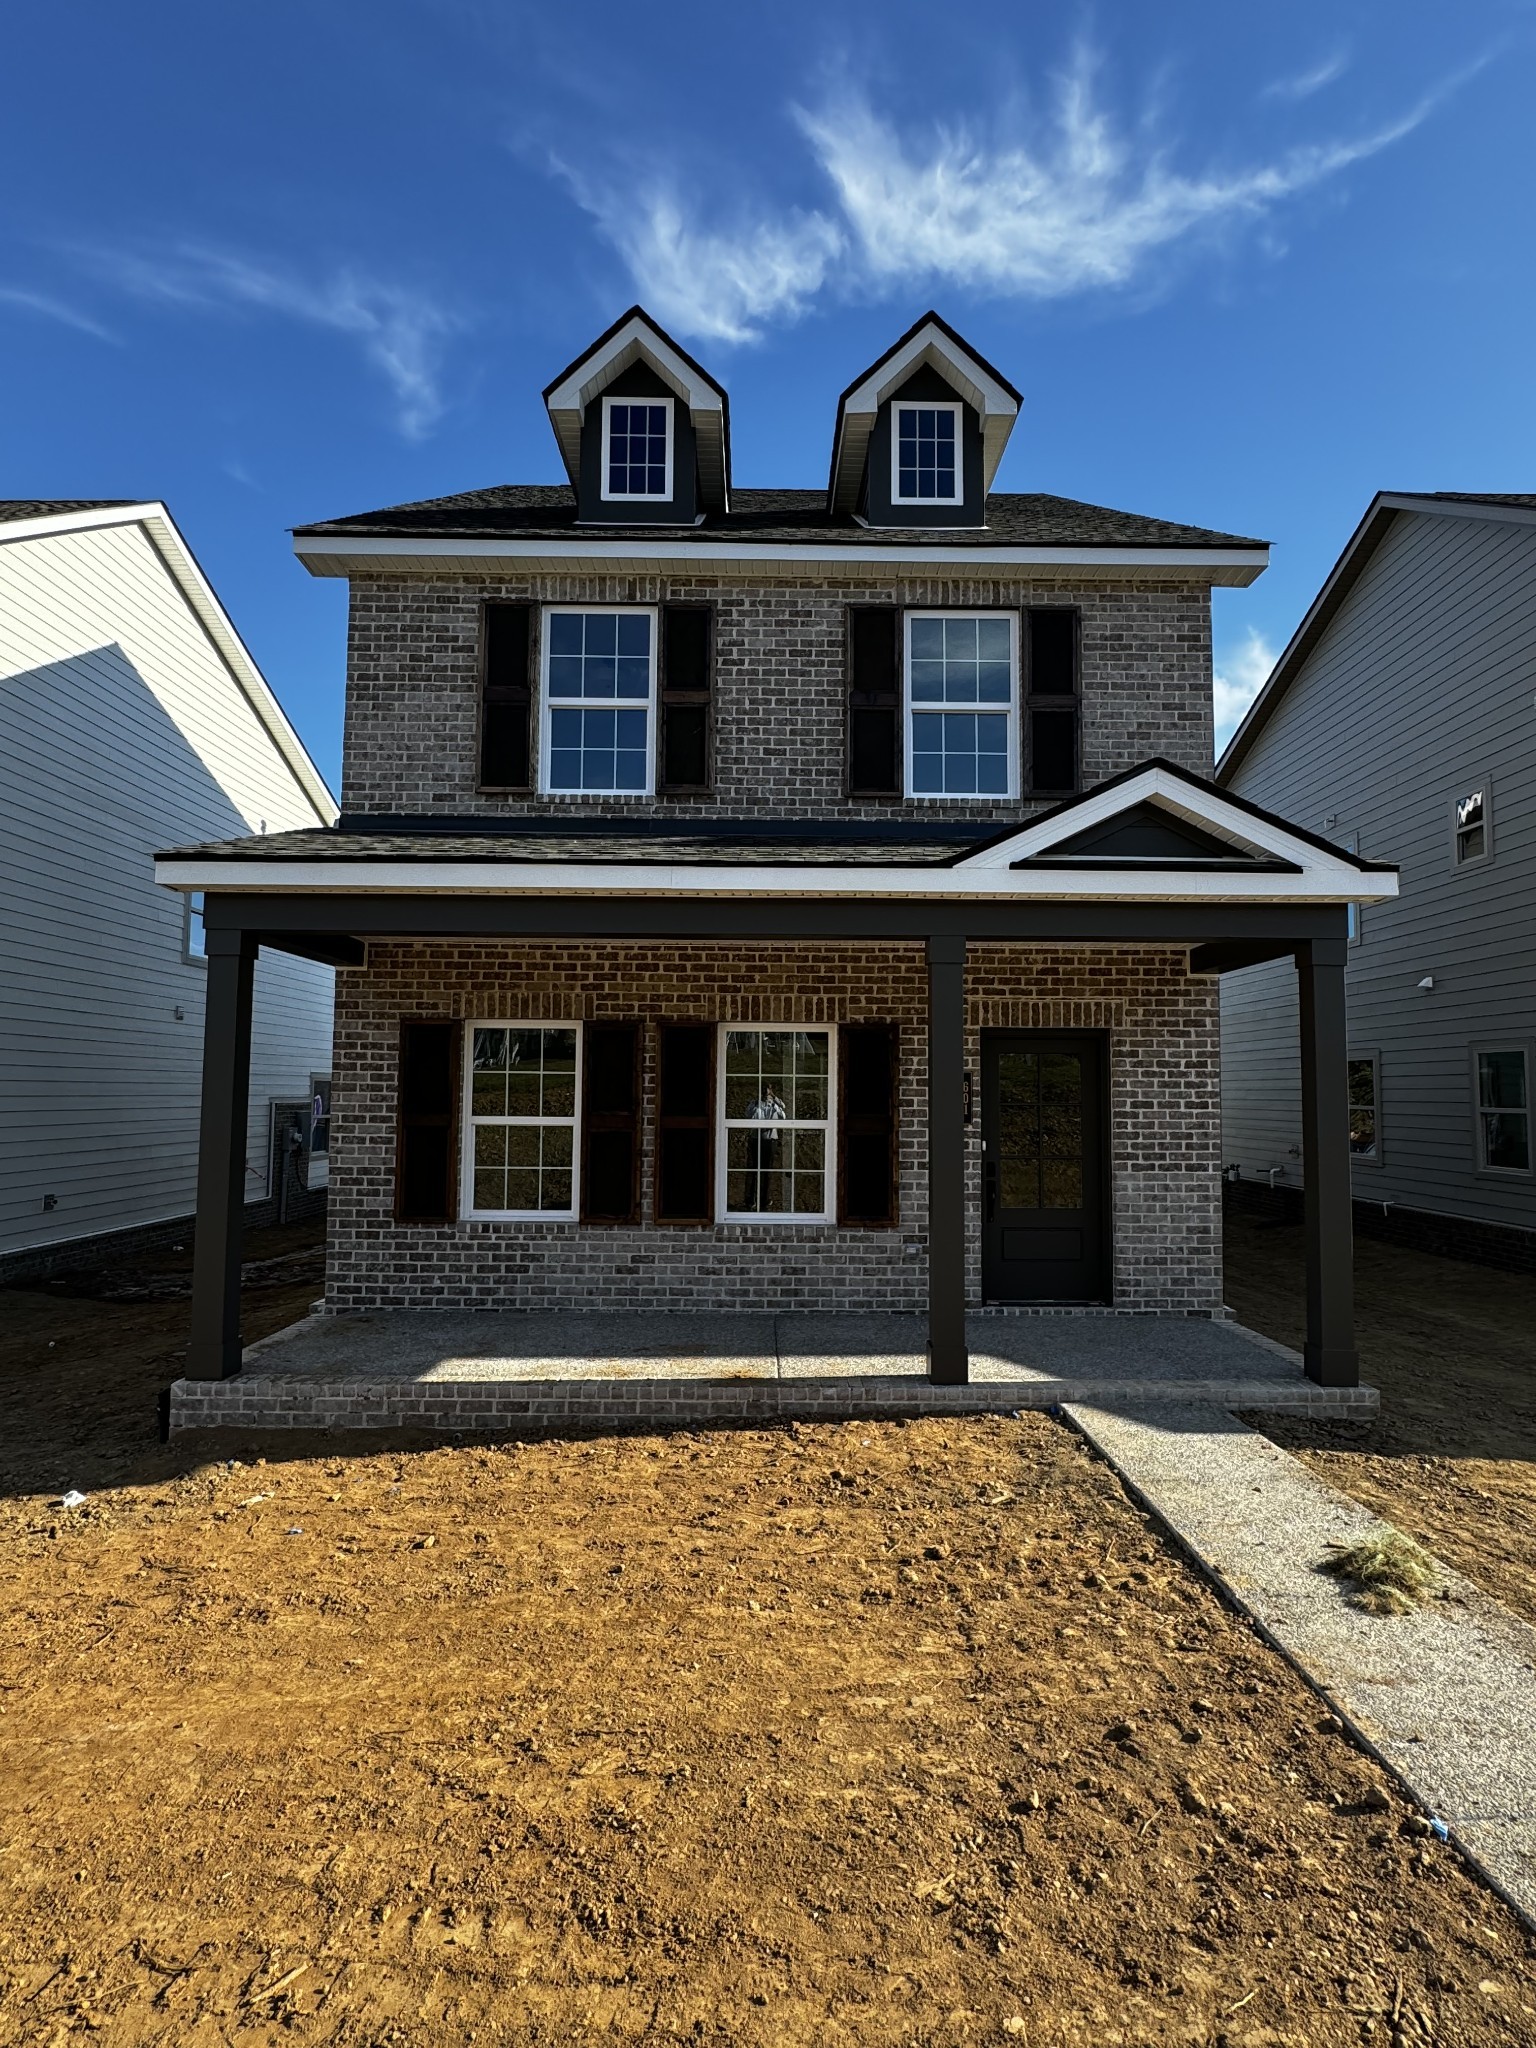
(962, 703)
(599, 700)
(925, 455)
(1472, 826)
(637, 448)
(194, 935)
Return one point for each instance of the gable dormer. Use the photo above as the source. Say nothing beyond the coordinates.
(644, 430)
(920, 433)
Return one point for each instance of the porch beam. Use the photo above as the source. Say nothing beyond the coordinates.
(214, 1350)
(948, 1360)
(1330, 1354)
(1225, 956)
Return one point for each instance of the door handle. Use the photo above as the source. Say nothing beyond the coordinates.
(989, 1188)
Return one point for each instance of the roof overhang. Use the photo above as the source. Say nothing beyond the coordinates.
(364, 554)
(1383, 510)
(932, 342)
(635, 338)
(186, 573)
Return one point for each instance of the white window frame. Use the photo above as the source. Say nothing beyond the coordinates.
(1373, 1061)
(546, 707)
(636, 497)
(1486, 1045)
(909, 715)
(757, 1217)
(898, 407)
(193, 923)
(1475, 860)
(469, 1121)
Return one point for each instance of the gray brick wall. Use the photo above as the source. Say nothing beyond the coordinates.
(1165, 1120)
(412, 687)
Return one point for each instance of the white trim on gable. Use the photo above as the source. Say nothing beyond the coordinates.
(971, 381)
(639, 341)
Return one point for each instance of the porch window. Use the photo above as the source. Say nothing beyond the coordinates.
(522, 1087)
(961, 703)
(599, 701)
(776, 1093)
(1503, 1110)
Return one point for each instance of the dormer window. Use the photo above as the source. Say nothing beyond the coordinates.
(925, 455)
(637, 448)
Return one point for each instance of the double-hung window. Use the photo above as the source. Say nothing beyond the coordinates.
(962, 694)
(599, 701)
(1472, 826)
(776, 1095)
(1502, 1078)
(523, 1090)
(194, 937)
(637, 448)
(926, 455)
(1364, 1111)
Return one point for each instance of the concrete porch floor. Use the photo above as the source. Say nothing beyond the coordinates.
(483, 1370)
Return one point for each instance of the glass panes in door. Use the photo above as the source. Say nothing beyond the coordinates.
(1040, 1130)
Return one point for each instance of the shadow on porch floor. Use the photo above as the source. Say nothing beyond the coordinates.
(488, 1369)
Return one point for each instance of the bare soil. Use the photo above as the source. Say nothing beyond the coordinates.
(1451, 1459)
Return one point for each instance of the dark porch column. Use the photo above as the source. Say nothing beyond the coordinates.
(948, 1361)
(214, 1352)
(1330, 1353)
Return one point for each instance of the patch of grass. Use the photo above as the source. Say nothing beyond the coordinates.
(1390, 1574)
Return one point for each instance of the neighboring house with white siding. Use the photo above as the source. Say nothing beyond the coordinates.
(1401, 722)
(131, 717)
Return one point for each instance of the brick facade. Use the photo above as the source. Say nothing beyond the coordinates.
(412, 711)
(1164, 1122)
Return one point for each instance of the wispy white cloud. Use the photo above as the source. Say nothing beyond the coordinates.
(50, 308)
(1305, 83)
(1240, 675)
(1074, 200)
(402, 332)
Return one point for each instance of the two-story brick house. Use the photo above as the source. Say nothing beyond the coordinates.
(778, 898)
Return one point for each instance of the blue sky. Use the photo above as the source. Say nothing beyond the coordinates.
(1247, 265)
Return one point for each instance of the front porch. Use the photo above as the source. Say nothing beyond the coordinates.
(487, 1370)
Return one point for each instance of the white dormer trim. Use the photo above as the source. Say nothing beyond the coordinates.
(995, 405)
(638, 340)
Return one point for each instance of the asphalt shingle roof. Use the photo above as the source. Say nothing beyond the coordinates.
(47, 508)
(548, 511)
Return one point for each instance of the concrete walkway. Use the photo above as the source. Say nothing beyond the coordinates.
(489, 1369)
(1446, 1697)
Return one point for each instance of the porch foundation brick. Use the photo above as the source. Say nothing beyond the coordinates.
(412, 716)
(298, 1402)
(1162, 1025)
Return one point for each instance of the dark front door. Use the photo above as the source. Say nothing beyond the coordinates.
(1045, 1220)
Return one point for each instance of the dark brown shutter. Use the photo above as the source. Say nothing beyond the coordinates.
(687, 660)
(685, 1124)
(610, 1123)
(506, 696)
(868, 1070)
(874, 700)
(427, 1122)
(1052, 635)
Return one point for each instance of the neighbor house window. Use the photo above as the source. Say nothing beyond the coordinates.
(195, 937)
(599, 701)
(1363, 1110)
(1472, 826)
(776, 1125)
(961, 703)
(925, 455)
(637, 447)
(522, 1087)
(1503, 1110)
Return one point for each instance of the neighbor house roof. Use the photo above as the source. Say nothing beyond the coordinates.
(27, 519)
(1384, 509)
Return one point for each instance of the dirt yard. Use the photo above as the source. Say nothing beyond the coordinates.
(903, 1734)
(1452, 1456)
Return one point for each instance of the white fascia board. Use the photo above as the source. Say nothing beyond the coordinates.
(202, 600)
(1197, 806)
(540, 878)
(313, 549)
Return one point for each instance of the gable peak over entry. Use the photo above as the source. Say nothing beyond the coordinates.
(637, 359)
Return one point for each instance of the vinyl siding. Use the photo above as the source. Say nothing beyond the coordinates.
(121, 731)
(1422, 688)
